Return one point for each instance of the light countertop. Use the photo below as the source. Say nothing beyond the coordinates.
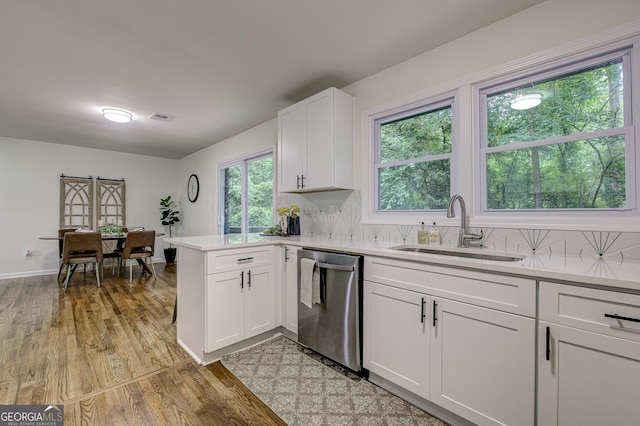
(589, 270)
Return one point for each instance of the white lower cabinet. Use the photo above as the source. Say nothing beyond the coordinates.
(291, 279)
(223, 297)
(588, 363)
(475, 361)
(241, 305)
(396, 336)
(483, 364)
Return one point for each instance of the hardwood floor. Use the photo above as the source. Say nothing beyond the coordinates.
(110, 355)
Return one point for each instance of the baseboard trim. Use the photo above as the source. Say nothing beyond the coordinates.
(28, 274)
(214, 356)
(25, 274)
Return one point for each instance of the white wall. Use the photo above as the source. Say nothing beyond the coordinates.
(30, 196)
(201, 217)
(537, 29)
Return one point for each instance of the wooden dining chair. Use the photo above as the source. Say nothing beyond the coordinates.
(81, 248)
(138, 245)
(61, 233)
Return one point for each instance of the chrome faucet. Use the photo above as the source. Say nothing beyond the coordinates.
(465, 236)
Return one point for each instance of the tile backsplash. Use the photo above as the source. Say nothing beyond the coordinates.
(337, 215)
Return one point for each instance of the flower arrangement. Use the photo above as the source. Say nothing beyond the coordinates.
(289, 220)
(292, 211)
(289, 223)
(110, 229)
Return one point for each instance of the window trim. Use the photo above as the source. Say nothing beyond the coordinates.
(242, 160)
(542, 72)
(404, 109)
(405, 114)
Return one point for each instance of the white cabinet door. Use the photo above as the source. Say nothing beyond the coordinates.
(225, 310)
(589, 379)
(315, 143)
(241, 304)
(291, 277)
(320, 148)
(259, 301)
(483, 364)
(396, 336)
(291, 146)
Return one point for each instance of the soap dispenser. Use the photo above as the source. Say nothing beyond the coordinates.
(434, 235)
(423, 234)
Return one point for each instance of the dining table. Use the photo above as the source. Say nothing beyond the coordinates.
(119, 237)
(105, 237)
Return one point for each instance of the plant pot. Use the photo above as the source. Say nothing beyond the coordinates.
(170, 255)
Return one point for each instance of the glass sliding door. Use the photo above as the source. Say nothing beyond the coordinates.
(231, 179)
(246, 189)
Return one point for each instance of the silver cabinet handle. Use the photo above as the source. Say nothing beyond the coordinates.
(245, 260)
(333, 266)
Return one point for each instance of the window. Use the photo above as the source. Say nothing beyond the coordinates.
(572, 151)
(413, 158)
(246, 194)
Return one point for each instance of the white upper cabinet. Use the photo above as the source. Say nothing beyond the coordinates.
(315, 143)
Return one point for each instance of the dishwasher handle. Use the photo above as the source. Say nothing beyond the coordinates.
(348, 268)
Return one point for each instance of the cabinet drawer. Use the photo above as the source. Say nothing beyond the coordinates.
(229, 260)
(585, 308)
(508, 294)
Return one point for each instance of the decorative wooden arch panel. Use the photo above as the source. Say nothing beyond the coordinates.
(111, 202)
(76, 202)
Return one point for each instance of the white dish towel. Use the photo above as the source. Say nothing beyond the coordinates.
(309, 282)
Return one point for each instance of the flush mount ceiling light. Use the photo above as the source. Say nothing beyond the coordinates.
(527, 101)
(117, 115)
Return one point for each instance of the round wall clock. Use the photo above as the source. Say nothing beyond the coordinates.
(193, 188)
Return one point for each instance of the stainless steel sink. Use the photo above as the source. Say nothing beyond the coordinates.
(468, 253)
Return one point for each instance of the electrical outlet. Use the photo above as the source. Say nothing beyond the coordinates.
(27, 254)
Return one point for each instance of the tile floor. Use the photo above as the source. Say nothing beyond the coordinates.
(305, 389)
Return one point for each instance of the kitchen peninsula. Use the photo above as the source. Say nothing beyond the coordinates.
(538, 313)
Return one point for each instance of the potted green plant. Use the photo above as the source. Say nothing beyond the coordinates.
(170, 216)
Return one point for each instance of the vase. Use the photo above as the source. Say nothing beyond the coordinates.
(293, 226)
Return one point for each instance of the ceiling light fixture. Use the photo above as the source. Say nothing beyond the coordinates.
(527, 101)
(117, 115)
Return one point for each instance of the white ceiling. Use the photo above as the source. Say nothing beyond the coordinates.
(215, 67)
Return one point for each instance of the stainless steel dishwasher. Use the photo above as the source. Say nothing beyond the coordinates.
(333, 325)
